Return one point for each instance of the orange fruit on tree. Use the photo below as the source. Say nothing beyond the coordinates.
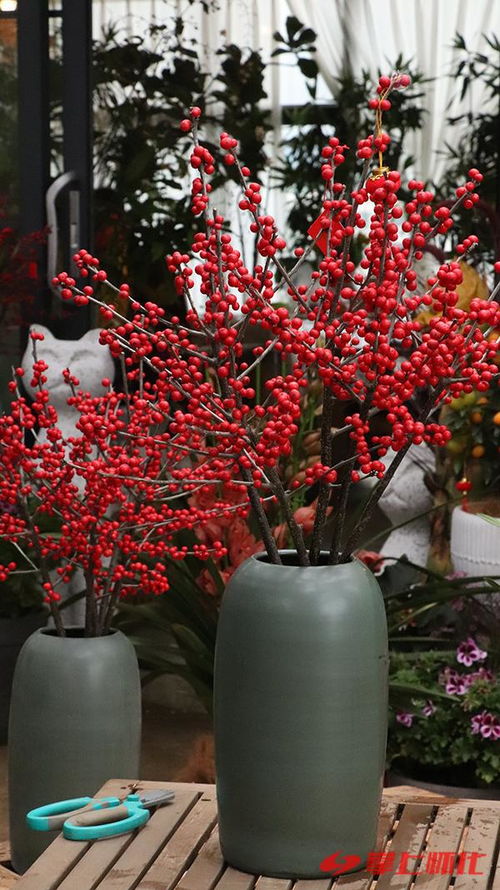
(496, 418)
(478, 451)
(476, 416)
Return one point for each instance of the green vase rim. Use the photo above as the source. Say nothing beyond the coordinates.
(291, 560)
(75, 632)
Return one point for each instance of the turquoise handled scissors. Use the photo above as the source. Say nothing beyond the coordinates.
(89, 818)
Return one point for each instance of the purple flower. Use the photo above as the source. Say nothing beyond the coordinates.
(488, 725)
(405, 718)
(453, 682)
(468, 652)
(481, 674)
(428, 709)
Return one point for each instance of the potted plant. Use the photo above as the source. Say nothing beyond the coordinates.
(303, 723)
(97, 506)
(474, 542)
(452, 741)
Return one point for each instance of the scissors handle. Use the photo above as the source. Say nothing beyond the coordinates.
(95, 824)
(52, 816)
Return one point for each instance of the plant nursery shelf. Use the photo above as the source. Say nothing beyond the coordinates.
(178, 849)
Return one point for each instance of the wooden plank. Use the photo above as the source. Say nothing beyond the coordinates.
(360, 880)
(481, 838)
(206, 869)
(4, 851)
(273, 884)
(496, 879)
(319, 884)
(7, 878)
(181, 849)
(413, 794)
(409, 838)
(445, 836)
(232, 879)
(141, 852)
(410, 793)
(53, 865)
(96, 863)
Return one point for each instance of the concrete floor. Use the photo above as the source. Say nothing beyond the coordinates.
(167, 742)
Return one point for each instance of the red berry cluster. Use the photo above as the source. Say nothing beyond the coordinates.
(196, 422)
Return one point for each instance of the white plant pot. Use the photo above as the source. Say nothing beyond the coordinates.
(475, 544)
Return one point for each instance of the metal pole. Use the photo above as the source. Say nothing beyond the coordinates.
(33, 115)
(77, 126)
(33, 129)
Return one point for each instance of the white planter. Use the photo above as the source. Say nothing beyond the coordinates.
(475, 544)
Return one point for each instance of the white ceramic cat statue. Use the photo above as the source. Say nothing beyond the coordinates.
(90, 363)
(86, 359)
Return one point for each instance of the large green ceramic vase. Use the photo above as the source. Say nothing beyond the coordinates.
(75, 721)
(300, 715)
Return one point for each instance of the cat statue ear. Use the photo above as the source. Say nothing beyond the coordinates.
(41, 329)
(86, 358)
(91, 337)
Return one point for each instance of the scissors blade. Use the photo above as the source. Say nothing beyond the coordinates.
(151, 799)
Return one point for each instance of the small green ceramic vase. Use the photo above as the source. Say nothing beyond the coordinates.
(300, 715)
(75, 722)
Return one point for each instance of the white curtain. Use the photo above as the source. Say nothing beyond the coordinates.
(364, 34)
(370, 34)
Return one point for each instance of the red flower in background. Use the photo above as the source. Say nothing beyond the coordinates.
(19, 257)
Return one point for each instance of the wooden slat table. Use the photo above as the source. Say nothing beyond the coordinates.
(178, 848)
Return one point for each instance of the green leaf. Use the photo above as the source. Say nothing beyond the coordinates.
(308, 67)
(494, 520)
(293, 25)
(308, 35)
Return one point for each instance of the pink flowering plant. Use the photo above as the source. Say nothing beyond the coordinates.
(454, 736)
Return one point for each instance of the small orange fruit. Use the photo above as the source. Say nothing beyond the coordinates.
(476, 416)
(496, 418)
(478, 451)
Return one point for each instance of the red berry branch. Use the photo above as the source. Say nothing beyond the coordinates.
(116, 495)
(354, 327)
(190, 418)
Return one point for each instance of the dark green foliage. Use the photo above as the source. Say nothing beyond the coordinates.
(185, 615)
(8, 128)
(300, 41)
(476, 144)
(143, 88)
(240, 89)
(20, 593)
